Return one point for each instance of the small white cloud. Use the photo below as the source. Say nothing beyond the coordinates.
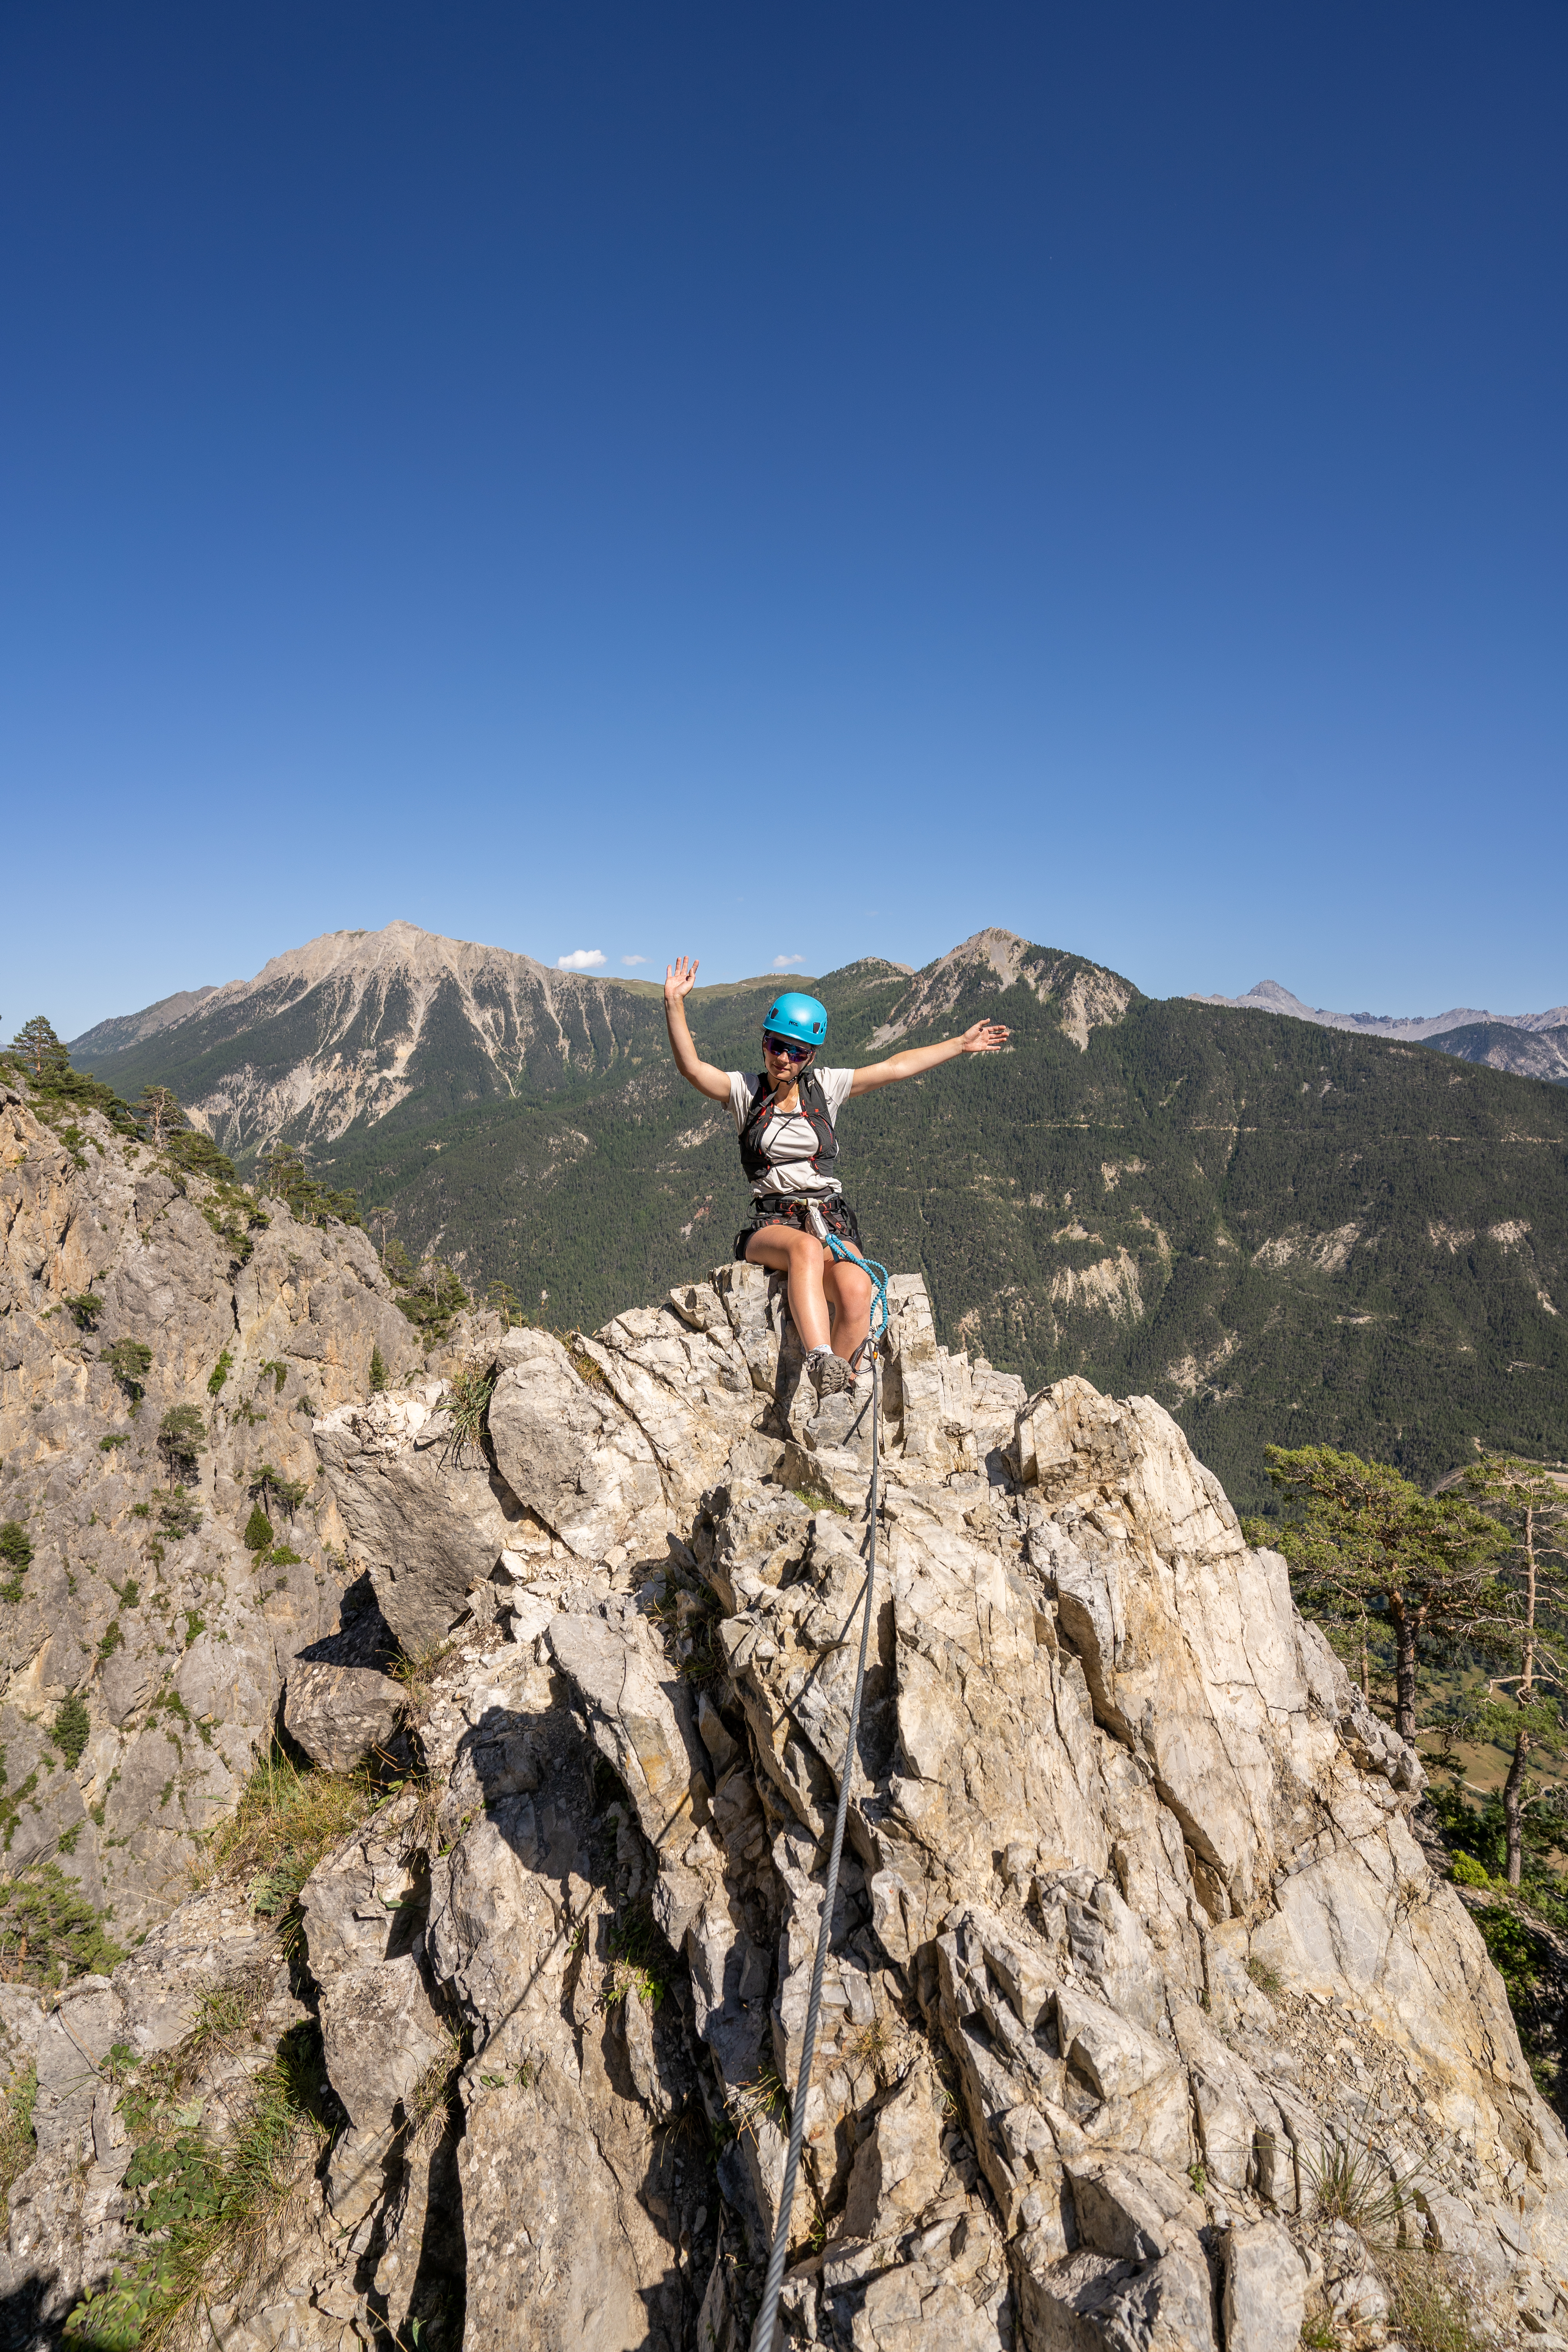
(633, 958)
(782, 963)
(582, 960)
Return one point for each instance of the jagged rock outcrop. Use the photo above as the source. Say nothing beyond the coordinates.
(1132, 1931)
(146, 1606)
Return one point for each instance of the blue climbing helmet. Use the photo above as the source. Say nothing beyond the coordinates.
(800, 1018)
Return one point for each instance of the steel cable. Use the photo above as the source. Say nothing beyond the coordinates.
(764, 2335)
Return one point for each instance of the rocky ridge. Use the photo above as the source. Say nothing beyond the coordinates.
(140, 1606)
(1133, 1945)
(352, 1023)
(1268, 996)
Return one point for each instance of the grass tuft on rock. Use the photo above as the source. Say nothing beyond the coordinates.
(1428, 2311)
(417, 1674)
(206, 2212)
(467, 1403)
(1349, 2182)
(425, 2111)
(286, 1819)
(17, 2145)
(641, 1961)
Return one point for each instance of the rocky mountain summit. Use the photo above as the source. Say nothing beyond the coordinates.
(1147, 2021)
(353, 1024)
(1268, 996)
(1528, 1045)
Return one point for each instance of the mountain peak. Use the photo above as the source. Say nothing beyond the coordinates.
(1089, 995)
(353, 1022)
(1268, 996)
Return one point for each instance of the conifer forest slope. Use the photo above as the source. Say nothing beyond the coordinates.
(1280, 1232)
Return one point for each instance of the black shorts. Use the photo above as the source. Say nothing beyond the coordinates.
(778, 1208)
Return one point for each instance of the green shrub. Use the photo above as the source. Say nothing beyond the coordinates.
(430, 1295)
(219, 1373)
(502, 1300)
(181, 1436)
(17, 1550)
(1519, 1956)
(178, 1515)
(1466, 1870)
(129, 1360)
(205, 2211)
(192, 1150)
(108, 1445)
(86, 1306)
(259, 1531)
(72, 1729)
(377, 1371)
(50, 1932)
(17, 2145)
(286, 1178)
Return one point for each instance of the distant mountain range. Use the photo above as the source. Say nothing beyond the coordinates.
(1530, 1044)
(1284, 1230)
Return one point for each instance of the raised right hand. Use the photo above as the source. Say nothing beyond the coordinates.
(679, 979)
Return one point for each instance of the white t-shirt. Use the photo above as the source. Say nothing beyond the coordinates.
(789, 1143)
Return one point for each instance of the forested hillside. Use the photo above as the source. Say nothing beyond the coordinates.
(1282, 1232)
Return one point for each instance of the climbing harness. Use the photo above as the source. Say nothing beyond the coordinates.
(764, 2337)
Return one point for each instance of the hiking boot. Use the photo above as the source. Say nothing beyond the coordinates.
(829, 1373)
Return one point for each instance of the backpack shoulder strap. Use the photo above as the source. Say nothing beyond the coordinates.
(814, 1103)
(751, 1158)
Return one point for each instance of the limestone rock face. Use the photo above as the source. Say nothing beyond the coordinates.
(1131, 1930)
(1106, 1787)
(340, 1714)
(146, 1605)
(427, 1520)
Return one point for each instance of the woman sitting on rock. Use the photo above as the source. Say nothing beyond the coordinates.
(784, 1115)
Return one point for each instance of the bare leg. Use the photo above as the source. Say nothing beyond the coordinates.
(785, 1250)
(850, 1292)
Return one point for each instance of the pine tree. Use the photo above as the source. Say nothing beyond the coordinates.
(159, 1111)
(377, 1371)
(287, 1494)
(180, 1437)
(259, 1531)
(502, 1300)
(128, 1360)
(1369, 1543)
(38, 1046)
(1533, 1510)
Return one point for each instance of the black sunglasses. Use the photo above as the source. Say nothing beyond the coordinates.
(789, 1053)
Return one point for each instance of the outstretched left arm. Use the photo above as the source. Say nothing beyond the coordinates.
(985, 1037)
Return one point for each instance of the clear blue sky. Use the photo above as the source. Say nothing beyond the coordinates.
(774, 481)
